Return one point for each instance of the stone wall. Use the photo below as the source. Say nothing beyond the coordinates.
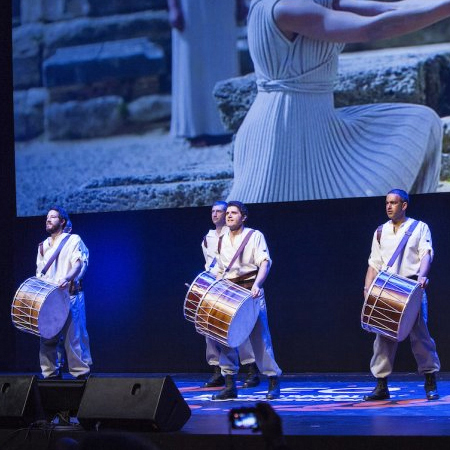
(89, 59)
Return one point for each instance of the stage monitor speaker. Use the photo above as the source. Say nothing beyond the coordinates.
(61, 396)
(20, 403)
(145, 404)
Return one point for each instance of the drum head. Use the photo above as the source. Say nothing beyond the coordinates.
(410, 313)
(53, 313)
(243, 322)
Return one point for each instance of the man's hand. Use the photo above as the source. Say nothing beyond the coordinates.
(63, 283)
(423, 281)
(255, 290)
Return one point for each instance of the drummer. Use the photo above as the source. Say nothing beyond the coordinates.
(246, 355)
(249, 269)
(414, 263)
(64, 270)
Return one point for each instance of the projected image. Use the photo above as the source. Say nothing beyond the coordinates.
(143, 104)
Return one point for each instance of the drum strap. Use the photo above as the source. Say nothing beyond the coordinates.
(239, 250)
(402, 244)
(379, 231)
(55, 255)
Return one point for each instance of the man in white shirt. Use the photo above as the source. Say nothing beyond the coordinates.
(246, 355)
(414, 262)
(249, 270)
(63, 271)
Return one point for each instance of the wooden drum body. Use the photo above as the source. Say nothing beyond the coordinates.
(392, 306)
(227, 313)
(40, 308)
(220, 309)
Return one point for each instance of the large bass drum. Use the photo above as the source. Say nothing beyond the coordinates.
(195, 294)
(227, 313)
(40, 308)
(392, 306)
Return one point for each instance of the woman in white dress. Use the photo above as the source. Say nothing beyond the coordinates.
(294, 144)
(204, 51)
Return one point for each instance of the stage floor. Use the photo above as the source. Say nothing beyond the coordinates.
(317, 411)
(329, 404)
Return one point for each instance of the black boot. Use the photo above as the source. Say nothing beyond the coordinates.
(273, 391)
(216, 379)
(381, 391)
(252, 379)
(431, 387)
(229, 392)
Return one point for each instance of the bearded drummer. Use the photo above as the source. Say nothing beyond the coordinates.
(249, 270)
(246, 355)
(63, 271)
(414, 262)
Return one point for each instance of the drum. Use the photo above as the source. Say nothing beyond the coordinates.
(392, 305)
(227, 313)
(195, 294)
(40, 308)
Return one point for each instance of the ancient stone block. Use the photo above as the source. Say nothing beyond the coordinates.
(90, 63)
(144, 193)
(150, 108)
(52, 10)
(29, 113)
(102, 8)
(102, 116)
(128, 89)
(27, 44)
(152, 25)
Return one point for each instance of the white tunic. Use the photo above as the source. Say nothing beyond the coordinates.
(408, 262)
(210, 249)
(70, 254)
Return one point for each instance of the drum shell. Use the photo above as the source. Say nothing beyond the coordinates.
(392, 305)
(227, 313)
(40, 308)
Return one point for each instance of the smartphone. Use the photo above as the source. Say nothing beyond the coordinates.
(244, 418)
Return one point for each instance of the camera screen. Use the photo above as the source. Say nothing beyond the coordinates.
(244, 419)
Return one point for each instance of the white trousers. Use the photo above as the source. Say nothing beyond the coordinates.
(245, 351)
(71, 338)
(261, 343)
(422, 345)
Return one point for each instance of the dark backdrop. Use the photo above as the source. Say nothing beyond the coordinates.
(140, 262)
(7, 189)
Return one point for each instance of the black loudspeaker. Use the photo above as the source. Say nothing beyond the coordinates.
(144, 404)
(20, 403)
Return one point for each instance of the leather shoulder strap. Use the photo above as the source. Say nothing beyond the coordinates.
(55, 254)
(379, 231)
(402, 243)
(240, 249)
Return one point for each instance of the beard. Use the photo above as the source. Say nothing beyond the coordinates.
(52, 229)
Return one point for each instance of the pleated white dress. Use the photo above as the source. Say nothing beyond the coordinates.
(295, 145)
(204, 53)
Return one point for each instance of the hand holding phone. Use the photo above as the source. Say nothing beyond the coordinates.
(244, 419)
